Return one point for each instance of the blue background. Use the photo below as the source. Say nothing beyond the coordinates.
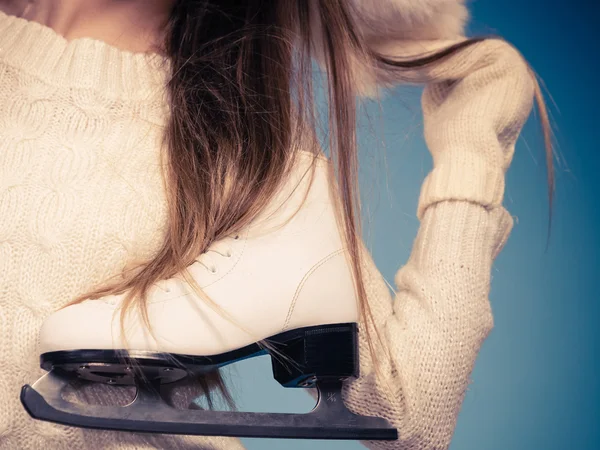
(535, 384)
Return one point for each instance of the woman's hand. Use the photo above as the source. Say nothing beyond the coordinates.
(473, 115)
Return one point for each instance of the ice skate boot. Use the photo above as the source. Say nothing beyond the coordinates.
(286, 279)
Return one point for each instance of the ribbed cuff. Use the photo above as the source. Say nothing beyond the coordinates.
(459, 233)
(469, 178)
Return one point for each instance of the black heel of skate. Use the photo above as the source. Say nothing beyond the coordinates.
(325, 353)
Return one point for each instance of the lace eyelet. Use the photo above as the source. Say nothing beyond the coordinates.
(213, 270)
(236, 237)
(229, 254)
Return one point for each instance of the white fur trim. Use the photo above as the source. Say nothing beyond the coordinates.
(411, 19)
(403, 24)
(384, 22)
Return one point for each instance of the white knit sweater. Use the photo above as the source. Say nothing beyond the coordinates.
(81, 196)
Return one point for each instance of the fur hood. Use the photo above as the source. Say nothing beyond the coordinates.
(380, 20)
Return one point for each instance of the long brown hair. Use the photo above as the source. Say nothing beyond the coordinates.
(241, 96)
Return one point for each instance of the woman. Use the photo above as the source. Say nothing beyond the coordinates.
(138, 137)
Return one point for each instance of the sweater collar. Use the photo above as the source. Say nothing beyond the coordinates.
(84, 63)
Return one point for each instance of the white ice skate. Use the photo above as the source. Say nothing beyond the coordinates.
(291, 285)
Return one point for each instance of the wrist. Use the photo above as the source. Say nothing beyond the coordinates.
(468, 177)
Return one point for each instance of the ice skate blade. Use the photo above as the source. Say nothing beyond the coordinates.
(330, 419)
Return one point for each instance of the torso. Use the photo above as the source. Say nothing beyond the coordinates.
(81, 196)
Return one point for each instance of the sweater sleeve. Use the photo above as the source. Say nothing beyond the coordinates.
(433, 325)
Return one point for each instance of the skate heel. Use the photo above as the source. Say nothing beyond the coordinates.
(320, 353)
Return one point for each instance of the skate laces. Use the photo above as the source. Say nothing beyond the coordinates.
(222, 248)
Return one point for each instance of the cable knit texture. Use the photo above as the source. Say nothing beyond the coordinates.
(81, 196)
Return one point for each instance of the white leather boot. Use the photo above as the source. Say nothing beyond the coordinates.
(269, 279)
(291, 285)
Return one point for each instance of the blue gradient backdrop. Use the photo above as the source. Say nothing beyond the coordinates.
(535, 384)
